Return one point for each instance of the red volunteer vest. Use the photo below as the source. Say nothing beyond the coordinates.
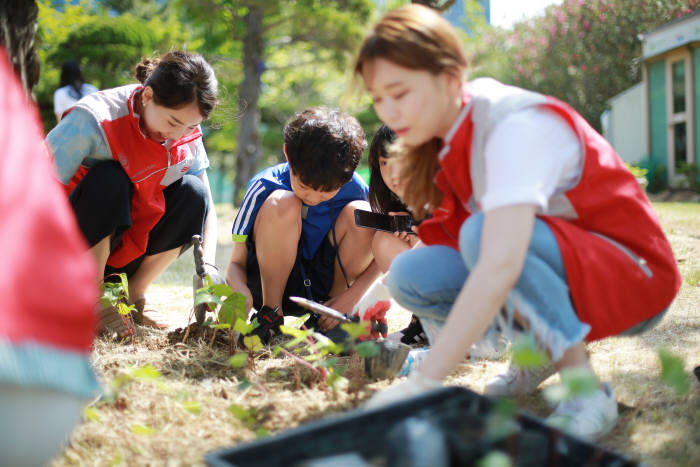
(149, 165)
(48, 285)
(619, 264)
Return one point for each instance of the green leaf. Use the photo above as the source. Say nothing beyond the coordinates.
(222, 290)
(261, 433)
(501, 420)
(672, 371)
(494, 459)
(89, 413)
(294, 332)
(241, 413)
(124, 309)
(203, 296)
(296, 323)
(276, 350)
(244, 384)
(367, 349)
(227, 313)
(145, 373)
(355, 329)
(242, 327)
(125, 285)
(526, 353)
(575, 382)
(238, 360)
(142, 430)
(327, 363)
(221, 326)
(192, 406)
(253, 343)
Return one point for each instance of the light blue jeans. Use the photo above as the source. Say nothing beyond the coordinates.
(427, 280)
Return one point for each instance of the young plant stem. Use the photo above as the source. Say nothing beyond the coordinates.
(302, 362)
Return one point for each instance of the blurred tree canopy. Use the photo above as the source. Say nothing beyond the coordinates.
(276, 57)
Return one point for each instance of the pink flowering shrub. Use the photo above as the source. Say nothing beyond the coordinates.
(583, 52)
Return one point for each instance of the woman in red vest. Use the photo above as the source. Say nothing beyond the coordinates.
(134, 166)
(531, 212)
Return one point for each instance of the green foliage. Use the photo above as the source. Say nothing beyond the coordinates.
(583, 52)
(575, 382)
(501, 421)
(639, 173)
(691, 175)
(116, 294)
(495, 459)
(143, 430)
(673, 372)
(526, 353)
(238, 360)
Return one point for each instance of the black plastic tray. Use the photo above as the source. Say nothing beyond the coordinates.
(461, 416)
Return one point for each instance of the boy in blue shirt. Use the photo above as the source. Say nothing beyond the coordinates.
(295, 231)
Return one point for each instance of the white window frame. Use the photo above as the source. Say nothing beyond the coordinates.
(688, 116)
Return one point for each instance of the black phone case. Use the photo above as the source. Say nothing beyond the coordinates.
(384, 222)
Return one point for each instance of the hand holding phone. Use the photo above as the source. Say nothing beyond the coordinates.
(384, 222)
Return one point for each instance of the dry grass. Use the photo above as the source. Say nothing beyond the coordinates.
(185, 413)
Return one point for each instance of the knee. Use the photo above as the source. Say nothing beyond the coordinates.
(470, 239)
(281, 209)
(398, 278)
(345, 223)
(193, 189)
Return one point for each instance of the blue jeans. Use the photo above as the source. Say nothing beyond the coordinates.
(427, 280)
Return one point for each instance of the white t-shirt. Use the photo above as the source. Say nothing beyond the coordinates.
(65, 97)
(531, 155)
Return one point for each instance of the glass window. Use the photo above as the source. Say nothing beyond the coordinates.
(678, 72)
(680, 144)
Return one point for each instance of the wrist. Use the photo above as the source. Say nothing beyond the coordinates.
(423, 382)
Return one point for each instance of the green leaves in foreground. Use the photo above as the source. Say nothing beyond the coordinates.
(526, 353)
(672, 371)
(575, 382)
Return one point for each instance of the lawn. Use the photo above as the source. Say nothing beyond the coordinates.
(174, 416)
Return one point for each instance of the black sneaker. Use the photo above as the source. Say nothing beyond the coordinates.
(414, 335)
(269, 321)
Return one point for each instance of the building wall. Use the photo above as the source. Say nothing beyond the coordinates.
(625, 127)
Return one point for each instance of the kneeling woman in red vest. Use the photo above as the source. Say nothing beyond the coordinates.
(134, 166)
(532, 212)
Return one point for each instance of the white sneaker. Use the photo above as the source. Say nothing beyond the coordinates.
(588, 417)
(518, 381)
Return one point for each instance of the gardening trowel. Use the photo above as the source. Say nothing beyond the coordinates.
(200, 272)
(200, 311)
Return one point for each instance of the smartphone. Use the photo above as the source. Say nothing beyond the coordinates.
(385, 222)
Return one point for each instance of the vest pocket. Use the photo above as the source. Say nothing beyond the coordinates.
(641, 262)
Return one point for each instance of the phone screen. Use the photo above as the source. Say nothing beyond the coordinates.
(385, 222)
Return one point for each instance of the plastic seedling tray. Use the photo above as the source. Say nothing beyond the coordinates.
(447, 427)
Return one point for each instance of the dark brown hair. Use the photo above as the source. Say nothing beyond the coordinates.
(418, 38)
(179, 78)
(324, 147)
(381, 198)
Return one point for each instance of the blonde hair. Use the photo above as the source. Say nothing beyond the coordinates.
(418, 38)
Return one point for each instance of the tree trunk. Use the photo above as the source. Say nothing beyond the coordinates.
(249, 148)
(17, 33)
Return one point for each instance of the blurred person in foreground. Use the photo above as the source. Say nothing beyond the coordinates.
(46, 327)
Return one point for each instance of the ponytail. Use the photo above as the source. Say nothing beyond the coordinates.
(145, 68)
